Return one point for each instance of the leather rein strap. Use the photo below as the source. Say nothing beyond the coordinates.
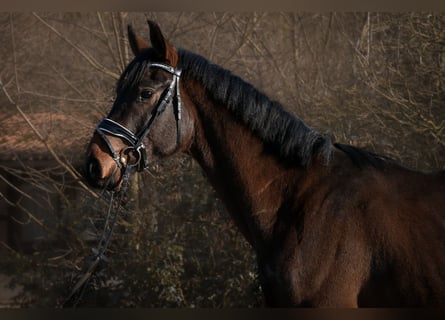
(78, 290)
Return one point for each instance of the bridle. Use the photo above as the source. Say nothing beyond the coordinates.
(134, 141)
(134, 144)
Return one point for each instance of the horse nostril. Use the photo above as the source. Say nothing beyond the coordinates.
(94, 169)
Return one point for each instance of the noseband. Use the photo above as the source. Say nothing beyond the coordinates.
(135, 141)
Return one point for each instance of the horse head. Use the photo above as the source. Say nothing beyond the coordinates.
(146, 120)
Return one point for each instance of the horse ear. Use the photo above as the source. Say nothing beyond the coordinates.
(137, 43)
(162, 47)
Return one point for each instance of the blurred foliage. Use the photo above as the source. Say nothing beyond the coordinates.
(370, 79)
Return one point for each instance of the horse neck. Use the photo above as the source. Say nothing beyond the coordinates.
(249, 181)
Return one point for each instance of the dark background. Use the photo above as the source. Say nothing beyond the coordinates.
(374, 80)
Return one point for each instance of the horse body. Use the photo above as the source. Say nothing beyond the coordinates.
(335, 235)
(332, 225)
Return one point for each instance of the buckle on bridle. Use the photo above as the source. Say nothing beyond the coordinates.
(134, 157)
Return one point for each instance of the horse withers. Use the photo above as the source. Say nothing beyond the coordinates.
(331, 224)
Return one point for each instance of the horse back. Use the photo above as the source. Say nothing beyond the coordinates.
(406, 231)
(369, 236)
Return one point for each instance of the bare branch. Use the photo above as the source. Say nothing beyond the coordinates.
(118, 42)
(68, 168)
(86, 56)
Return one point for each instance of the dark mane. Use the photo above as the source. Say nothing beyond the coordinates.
(363, 158)
(281, 132)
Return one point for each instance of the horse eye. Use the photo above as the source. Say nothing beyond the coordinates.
(146, 94)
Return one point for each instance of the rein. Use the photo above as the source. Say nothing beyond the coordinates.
(135, 145)
(79, 288)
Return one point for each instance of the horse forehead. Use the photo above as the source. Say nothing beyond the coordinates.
(156, 74)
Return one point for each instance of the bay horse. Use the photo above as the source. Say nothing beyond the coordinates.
(332, 225)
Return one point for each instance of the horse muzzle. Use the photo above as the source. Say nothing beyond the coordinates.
(101, 170)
